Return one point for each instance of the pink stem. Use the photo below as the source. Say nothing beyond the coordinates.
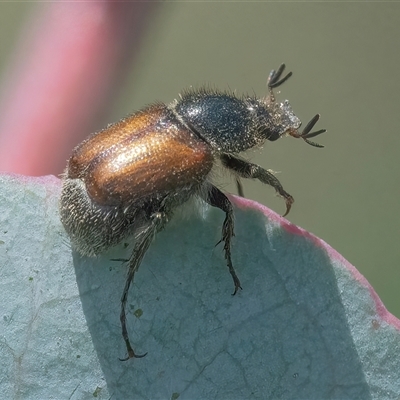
(69, 61)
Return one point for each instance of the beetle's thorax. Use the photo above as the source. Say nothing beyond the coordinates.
(231, 124)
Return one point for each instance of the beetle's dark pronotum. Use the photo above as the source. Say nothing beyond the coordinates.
(127, 180)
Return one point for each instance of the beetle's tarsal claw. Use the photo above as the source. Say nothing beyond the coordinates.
(289, 202)
(131, 354)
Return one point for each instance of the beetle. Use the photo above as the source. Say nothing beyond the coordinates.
(128, 179)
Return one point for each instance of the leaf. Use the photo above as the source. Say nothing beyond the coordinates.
(306, 325)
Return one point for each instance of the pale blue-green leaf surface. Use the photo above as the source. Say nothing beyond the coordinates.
(305, 326)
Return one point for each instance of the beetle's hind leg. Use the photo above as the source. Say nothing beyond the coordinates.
(216, 198)
(142, 242)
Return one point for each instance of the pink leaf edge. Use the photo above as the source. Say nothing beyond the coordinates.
(381, 310)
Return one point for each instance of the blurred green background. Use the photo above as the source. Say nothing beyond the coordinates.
(345, 62)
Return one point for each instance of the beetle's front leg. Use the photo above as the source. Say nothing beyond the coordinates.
(246, 169)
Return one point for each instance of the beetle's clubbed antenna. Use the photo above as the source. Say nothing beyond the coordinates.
(306, 134)
(274, 77)
(275, 80)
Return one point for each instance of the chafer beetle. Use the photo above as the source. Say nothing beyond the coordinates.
(128, 179)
